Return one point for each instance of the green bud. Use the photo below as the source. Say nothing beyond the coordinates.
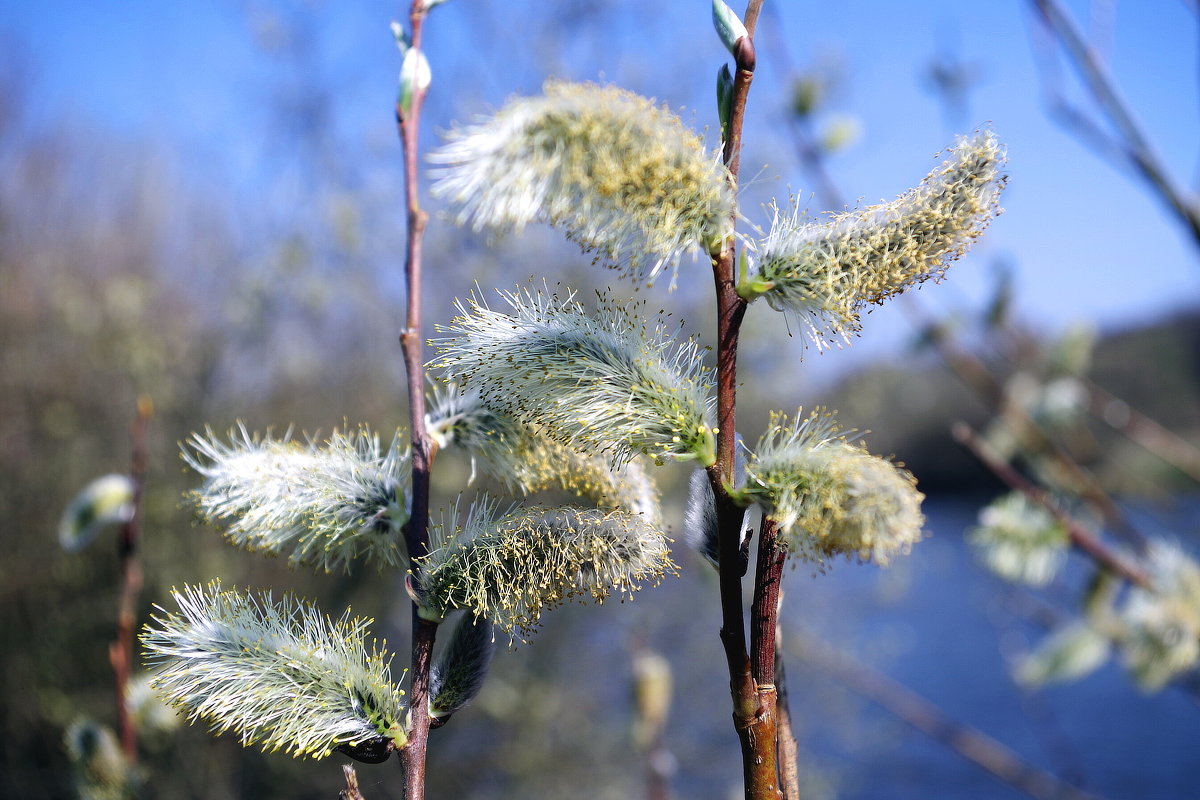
(841, 132)
(753, 287)
(1069, 653)
(806, 96)
(103, 502)
(724, 98)
(728, 24)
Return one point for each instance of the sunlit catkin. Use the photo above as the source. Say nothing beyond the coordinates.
(510, 567)
(829, 495)
(527, 462)
(606, 381)
(281, 675)
(321, 504)
(619, 175)
(826, 272)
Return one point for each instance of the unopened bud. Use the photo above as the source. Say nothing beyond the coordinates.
(103, 502)
(724, 98)
(415, 77)
(729, 26)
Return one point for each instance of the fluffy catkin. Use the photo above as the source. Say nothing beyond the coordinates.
(281, 675)
(607, 381)
(526, 462)
(619, 175)
(829, 495)
(825, 272)
(322, 504)
(510, 568)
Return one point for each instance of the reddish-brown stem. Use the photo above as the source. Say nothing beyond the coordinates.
(764, 611)
(120, 652)
(980, 379)
(754, 719)
(412, 755)
(416, 532)
(1083, 539)
(1167, 445)
(788, 747)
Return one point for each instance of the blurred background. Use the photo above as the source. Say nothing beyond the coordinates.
(201, 204)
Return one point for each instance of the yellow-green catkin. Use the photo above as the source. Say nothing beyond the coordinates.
(826, 272)
(608, 381)
(620, 175)
(830, 496)
(511, 567)
(280, 674)
(526, 462)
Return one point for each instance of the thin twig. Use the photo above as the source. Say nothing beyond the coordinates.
(351, 791)
(416, 532)
(976, 375)
(1167, 445)
(968, 742)
(120, 652)
(788, 747)
(1136, 147)
(1082, 538)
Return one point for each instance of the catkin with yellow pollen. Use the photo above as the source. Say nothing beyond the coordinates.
(527, 463)
(605, 381)
(825, 273)
(620, 175)
(511, 567)
(830, 496)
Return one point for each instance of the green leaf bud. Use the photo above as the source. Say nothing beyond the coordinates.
(724, 98)
(103, 502)
(728, 25)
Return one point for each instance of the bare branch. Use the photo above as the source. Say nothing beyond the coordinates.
(1083, 539)
(968, 742)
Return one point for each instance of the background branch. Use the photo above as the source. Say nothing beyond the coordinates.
(120, 652)
(968, 742)
(1083, 539)
(1134, 145)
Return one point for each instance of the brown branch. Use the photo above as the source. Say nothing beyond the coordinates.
(755, 725)
(764, 611)
(1082, 538)
(1165, 444)
(788, 747)
(976, 375)
(351, 791)
(120, 652)
(416, 532)
(968, 742)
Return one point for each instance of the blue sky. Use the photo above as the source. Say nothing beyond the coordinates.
(1086, 240)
